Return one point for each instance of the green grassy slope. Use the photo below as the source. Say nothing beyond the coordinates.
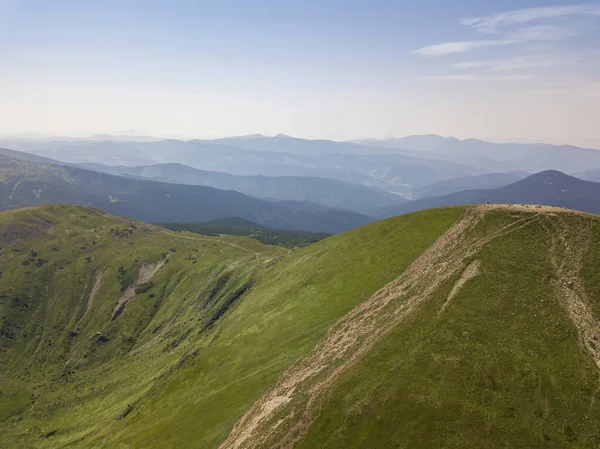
(506, 356)
(60, 341)
(501, 367)
(195, 345)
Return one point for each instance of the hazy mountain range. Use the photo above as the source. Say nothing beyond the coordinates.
(396, 165)
(374, 167)
(485, 181)
(469, 325)
(550, 188)
(517, 156)
(589, 175)
(324, 191)
(26, 183)
(285, 182)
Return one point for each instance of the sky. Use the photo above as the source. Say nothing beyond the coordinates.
(526, 71)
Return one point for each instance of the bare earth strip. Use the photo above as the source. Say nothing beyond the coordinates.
(567, 258)
(283, 415)
(470, 272)
(147, 271)
(98, 278)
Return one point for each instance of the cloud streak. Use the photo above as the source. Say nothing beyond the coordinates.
(541, 33)
(501, 23)
(459, 47)
(496, 22)
(353, 95)
(509, 64)
(475, 77)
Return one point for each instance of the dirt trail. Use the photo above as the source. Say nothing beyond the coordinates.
(147, 271)
(283, 415)
(187, 237)
(469, 273)
(271, 259)
(567, 258)
(528, 208)
(98, 278)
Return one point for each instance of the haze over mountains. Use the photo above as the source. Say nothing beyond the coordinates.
(518, 156)
(244, 302)
(27, 183)
(300, 179)
(551, 188)
(370, 166)
(328, 192)
(485, 181)
(589, 175)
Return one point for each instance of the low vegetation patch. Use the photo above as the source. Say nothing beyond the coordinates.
(241, 227)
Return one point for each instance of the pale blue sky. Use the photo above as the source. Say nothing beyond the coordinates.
(499, 70)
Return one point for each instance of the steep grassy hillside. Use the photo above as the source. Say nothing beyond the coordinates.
(504, 353)
(119, 334)
(457, 327)
(489, 339)
(26, 183)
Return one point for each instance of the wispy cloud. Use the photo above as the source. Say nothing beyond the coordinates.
(458, 47)
(353, 95)
(532, 57)
(496, 22)
(517, 63)
(527, 34)
(475, 77)
(502, 24)
(541, 33)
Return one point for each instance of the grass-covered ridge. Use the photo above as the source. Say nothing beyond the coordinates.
(504, 364)
(455, 327)
(490, 339)
(195, 344)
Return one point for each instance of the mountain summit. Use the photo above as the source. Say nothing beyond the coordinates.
(550, 188)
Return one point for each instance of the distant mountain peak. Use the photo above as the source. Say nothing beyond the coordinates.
(549, 188)
(550, 172)
(547, 174)
(251, 136)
